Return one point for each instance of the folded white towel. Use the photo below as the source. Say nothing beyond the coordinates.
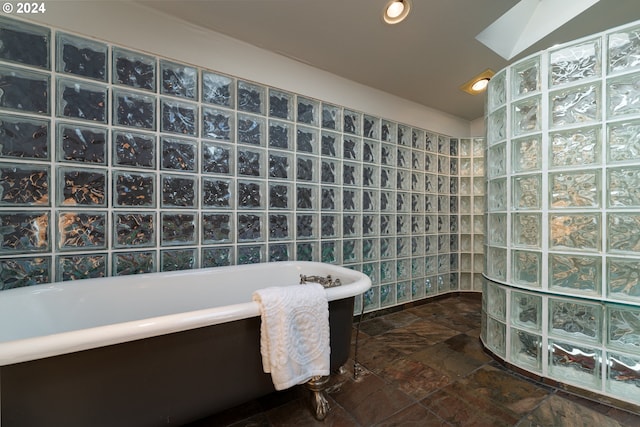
(294, 334)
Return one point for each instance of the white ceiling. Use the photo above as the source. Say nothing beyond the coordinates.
(424, 59)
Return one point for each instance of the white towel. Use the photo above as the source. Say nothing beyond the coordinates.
(294, 335)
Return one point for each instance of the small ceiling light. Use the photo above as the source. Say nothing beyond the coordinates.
(478, 83)
(396, 11)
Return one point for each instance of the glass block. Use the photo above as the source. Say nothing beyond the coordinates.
(329, 252)
(388, 178)
(527, 231)
(370, 200)
(352, 122)
(308, 110)
(388, 131)
(217, 228)
(78, 267)
(330, 198)
(133, 189)
(497, 226)
(306, 140)
(526, 116)
(81, 230)
(478, 242)
(218, 124)
(525, 77)
(134, 229)
(575, 105)
(331, 116)
(403, 291)
(80, 56)
(403, 269)
(126, 263)
(574, 189)
(575, 147)
(465, 167)
(134, 149)
(387, 295)
(178, 154)
(178, 80)
(431, 163)
(218, 89)
(526, 153)
(498, 194)
(280, 165)
(81, 100)
(575, 274)
(478, 224)
(181, 117)
(430, 203)
(307, 226)
(280, 196)
(478, 168)
(576, 62)
(177, 259)
(623, 279)
(388, 155)
(251, 97)
(369, 249)
(370, 225)
(251, 129)
(497, 268)
(453, 185)
(351, 250)
(497, 160)
(280, 104)
(575, 364)
(496, 301)
(23, 137)
(371, 298)
(280, 226)
(496, 336)
(306, 197)
(623, 95)
(19, 272)
(25, 43)
(352, 148)
(134, 69)
(178, 229)
(526, 310)
(133, 109)
(218, 158)
(403, 246)
(623, 141)
(329, 171)
(330, 144)
(387, 248)
(443, 145)
(251, 194)
(623, 375)
(497, 91)
(624, 50)
(622, 231)
(371, 127)
(25, 91)
(403, 180)
(217, 256)
(575, 231)
(280, 252)
(623, 328)
(579, 320)
(497, 126)
(330, 226)
(75, 144)
(526, 349)
(527, 192)
(24, 232)
(81, 187)
(24, 185)
(479, 145)
(387, 225)
(351, 173)
(251, 254)
(402, 202)
(443, 184)
(178, 191)
(307, 168)
(251, 162)
(250, 227)
(280, 134)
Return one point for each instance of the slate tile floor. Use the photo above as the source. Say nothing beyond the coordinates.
(424, 366)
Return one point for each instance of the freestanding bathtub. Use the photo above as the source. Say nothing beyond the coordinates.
(148, 350)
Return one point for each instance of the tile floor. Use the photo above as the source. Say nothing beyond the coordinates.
(424, 366)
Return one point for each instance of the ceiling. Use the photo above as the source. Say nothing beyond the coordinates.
(424, 59)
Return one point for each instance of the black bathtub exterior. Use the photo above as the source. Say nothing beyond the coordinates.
(167, 380)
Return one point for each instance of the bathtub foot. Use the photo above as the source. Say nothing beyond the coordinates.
(319, 402)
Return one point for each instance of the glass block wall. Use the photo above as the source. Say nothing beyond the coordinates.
(115, 161)
(563, 228)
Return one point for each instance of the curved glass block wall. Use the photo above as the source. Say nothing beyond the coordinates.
(563, 221)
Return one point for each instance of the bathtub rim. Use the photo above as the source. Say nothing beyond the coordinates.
(24, 350)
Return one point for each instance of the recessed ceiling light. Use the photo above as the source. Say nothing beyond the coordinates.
(478, 83)
(396, 11)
